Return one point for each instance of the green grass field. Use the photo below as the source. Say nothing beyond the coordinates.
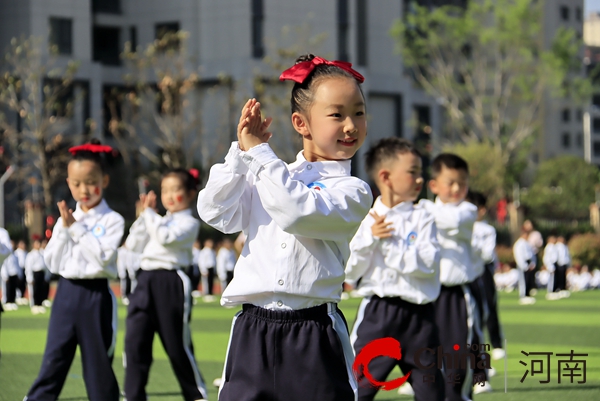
(558, 327)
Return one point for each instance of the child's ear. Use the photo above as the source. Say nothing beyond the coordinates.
(433, 186)
(105, 180)
(384, 176)
(299, 123)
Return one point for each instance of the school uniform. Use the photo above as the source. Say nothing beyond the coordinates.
(84, 310)
(525, 259)
(290, 342)
(484, 288)
(35, 273)
(550, 261)
(10, 280)
(225, 264)
(194, 270)
(207, 262)
(563, 261)
(455, 308)
(21, 254)
(161, 302)
(5, 252)
(128, 264)
(399, 282)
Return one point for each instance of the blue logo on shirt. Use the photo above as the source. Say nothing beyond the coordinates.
(412, 238)
(316, 185)
(98, 230)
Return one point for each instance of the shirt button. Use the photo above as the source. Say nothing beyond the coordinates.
(280, 282)
(283, 245)
(279, 303)
(309, 167)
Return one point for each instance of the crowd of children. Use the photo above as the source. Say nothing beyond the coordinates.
(424, 270)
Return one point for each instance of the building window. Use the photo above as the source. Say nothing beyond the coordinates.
(342, 29)
(361, 32)
(167, 31)
(133, 38)
(597, 149)
(596, 100)
(596, 125)
(566, 140)
(258, 49)
(579, 115)
(564, 13)
(61, 35)
(106, 45)
(580, 140)
(578, 14)
(106, 6)
(566, 115)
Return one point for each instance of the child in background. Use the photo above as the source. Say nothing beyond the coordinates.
(5, 250)
(162, 300)
(83, 251)
(35, 272)
(290, 342)
(10, 280)
(525, 258)
(225, 263)
(207, 262)
(396, 253)
(550, 262)
(21, 255)
(455, 307)
(563, 262)
(194, 272)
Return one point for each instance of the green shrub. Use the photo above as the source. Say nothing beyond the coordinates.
(505, 254)
(585, 250)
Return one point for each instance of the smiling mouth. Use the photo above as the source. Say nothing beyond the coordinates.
(347, 142)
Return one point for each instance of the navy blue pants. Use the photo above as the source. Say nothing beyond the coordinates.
(414, 327)
(83, 313)
(161, 303)
(294, 355)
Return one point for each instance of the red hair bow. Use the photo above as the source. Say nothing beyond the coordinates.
(300, 71)
(194, 173)
(90, 147)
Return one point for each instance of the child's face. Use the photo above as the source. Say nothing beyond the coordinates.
(481, 212)
(336, 124)
(451, 185)
(86, 182)
(173, 194)
(405, 179)
(37, 244)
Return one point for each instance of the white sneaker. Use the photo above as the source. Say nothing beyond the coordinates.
(553, 296)
(208, 298)
(22, 301)
(527, 301)
(486, 388)
(10, 307)
(345, 296)
(125, 301)
(406, 389)
(47, 303)
(565, 294)
(533, 292)
(491, 372)
(498, 353)
(217, 382)
(196, 294)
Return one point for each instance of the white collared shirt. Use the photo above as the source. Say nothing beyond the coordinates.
(563, 255)
(165, 242)
(207, 259)
(10, 267)
(550, 257)
(21, 254)
(298, 219)
(128, 262)
(5, 245)
(454, 224)
(405, 265)
(483, 243)
(524, 254)
(34, 262)
(87, 249)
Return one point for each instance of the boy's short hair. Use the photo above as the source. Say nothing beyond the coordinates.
(384, 150)
(450, 161)
(477, 198)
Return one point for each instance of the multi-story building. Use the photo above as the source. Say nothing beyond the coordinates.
(591, 37)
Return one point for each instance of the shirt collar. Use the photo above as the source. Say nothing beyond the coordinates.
(438, 201)
(100, 209)
(325, 168)
(184, 212)
(401, 207)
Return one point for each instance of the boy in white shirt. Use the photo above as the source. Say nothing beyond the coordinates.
(526, 260)
(35, 273)
(395, 251)
(225, 263)
(455, 307)
(550, 260)
(207, 262)
(563, 261)
(21, 254)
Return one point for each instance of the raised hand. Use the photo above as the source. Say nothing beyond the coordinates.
(148, 200)
(66, 214)
(252, 129)
(381, 229)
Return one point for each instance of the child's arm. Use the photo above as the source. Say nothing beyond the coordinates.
(29, 267)
(488, 247)
(170, 235)
(362, 246)
(519, 254)
(456, 221)
(325, 213)
(58, 248)
(138, 236)
(5, 247)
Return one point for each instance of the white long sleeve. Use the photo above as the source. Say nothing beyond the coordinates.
(523, 253)
(405, 265)
(5, 245)
(550, 257)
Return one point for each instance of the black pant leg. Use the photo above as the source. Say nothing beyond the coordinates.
(491, 299)
(38, 286)
(61, 344)
(172, 294)
(212, 275)
(11, 289)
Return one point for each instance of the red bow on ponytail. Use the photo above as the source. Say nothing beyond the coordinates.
(90, 147)
(300, 71)
(194, 173)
